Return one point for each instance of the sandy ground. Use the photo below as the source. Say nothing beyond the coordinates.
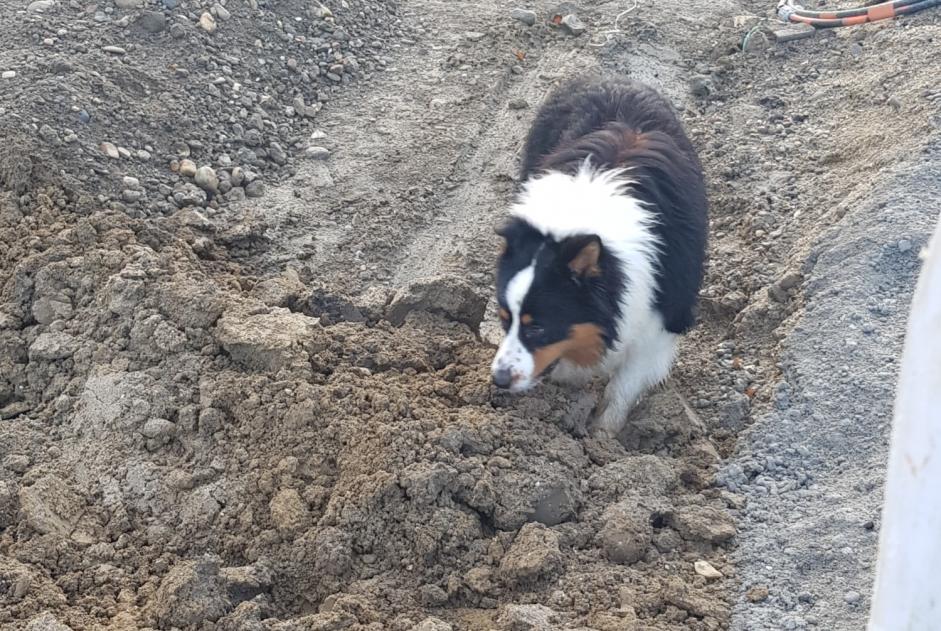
(245, 321)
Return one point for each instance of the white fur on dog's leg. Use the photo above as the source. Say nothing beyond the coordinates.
(648, 365)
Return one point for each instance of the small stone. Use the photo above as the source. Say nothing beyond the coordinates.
(789, 281)
(170, 4)
(852, 597)
(192, 592)
(207, 22)
(189, 195)
(700, 86)
(17, 463)
(317, 153)
(109, 150)
(114, 50)
(573, 25)
(84, 117)
(130, 182)
(705, 569)
(177, 31)
(757, 594)
(188, 168)
(527, 618)
(474, 36)
(518, 104)
(131, 196)
(40, 5)
(525, 16)
(534, 553)
(904, 245)
(127, 4)
(8, 74)
(153, 22)
(255, 189)
(703, 522)
(221, 12)
(206, 179)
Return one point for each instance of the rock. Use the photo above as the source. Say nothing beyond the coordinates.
(221, 12)
(904, 245)
(700, 86)
(757, 594)
(680, 595)
(277, 154)
(207, 22)
(518, 104)
(17, 463)
(288, 510)
(527, 618)
(109, 150)
(114, 50)
(246, 582)
(705, 569)
(432, 595)
(131, 183)
(573, 25)
(8, 74)
(188, 168)
(852, 597)
(38, 6)
(317, 153)
(128, 4)
(625, 537)
(525, 16)
(473, 36)
(52, 347)
(255, 189)
(190, 594)
(131, 196)
(432, 624)
(206, 179)
(733, 414)
(533, 555)
(46, 622)
(189, 195)
(451, 297)
(704, 523)
(269, 341)
(153, 22)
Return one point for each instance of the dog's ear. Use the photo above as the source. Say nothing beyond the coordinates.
(582, 253)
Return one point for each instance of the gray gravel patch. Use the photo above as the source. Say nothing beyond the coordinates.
(813, 467)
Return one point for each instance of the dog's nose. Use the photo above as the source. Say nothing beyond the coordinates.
(502, 377)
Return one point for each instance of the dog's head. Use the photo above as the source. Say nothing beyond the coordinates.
(548, 294)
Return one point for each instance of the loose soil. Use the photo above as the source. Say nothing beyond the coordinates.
(257, 397)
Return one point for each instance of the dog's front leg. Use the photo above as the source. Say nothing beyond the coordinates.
(646, 365)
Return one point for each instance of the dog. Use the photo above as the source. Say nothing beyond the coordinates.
(605, 246)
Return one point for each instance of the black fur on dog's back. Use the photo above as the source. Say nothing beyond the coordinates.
(624, 124)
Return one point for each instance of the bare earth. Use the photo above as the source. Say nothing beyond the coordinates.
(257, 397)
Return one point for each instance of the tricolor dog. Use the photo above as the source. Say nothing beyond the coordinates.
(605, 245)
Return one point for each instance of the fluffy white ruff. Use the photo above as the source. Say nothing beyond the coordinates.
(600, 203)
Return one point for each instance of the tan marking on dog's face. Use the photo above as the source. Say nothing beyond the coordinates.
(504, 314)
(583, 347)
(526, 319)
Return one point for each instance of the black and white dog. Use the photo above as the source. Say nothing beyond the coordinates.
(605, 246)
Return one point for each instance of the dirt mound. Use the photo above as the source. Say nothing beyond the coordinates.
(177, 452)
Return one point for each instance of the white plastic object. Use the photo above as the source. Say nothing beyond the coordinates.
(907, 594)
